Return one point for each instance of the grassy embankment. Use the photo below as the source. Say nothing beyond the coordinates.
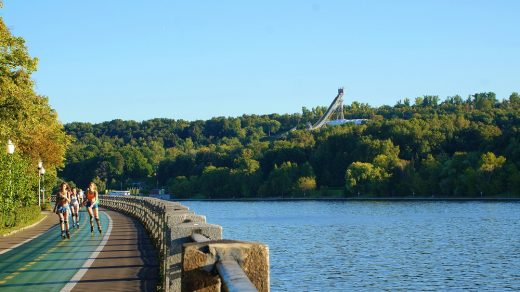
(19, 219)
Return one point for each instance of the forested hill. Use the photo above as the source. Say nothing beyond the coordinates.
(454, 148)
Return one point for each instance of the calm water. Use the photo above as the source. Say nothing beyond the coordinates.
(337, 246)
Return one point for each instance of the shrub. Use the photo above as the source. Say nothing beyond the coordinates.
(19, 217)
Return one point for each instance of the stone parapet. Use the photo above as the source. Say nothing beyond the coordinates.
(171, 226)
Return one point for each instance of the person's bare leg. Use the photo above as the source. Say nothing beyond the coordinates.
(72, 211)
(76, 213)
(90, 214)
(62, 224)
(96, 215)
(66, 222)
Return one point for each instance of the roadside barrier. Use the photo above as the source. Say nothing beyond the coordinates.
(192, 254)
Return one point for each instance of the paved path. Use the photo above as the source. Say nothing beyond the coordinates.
(127, 261)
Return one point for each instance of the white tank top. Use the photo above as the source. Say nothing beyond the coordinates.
(73, 199)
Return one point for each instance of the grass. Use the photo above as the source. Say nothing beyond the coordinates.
(4, 231)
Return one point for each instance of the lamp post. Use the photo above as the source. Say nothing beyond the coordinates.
(10, 151)
(42, 171)
(156, 179)
(10, 147)
(40, 167)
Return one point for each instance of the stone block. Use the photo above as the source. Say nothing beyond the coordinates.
(199, 260)
(180, 234)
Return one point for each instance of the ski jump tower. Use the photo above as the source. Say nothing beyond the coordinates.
(335, 110)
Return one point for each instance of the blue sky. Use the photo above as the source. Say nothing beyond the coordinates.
(102, 60)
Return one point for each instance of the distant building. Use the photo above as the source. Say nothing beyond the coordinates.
(345, 121)
(119, 193)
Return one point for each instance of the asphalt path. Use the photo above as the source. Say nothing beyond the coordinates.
(128, 262)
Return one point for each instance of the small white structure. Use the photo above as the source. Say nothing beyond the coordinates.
(119, 193)
(344, 121)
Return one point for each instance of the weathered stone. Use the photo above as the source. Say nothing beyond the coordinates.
(180, 234)
(175, 207)
(199, 259)
(177, 218)
(197, 275)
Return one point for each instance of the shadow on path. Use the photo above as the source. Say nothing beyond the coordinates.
(128, 262)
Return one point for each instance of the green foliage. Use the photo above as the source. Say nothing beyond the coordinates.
(456, 147)
(306, 184)
(365, 178)
(18, 183)
(27, 119)
(490, 162)
(19, 217)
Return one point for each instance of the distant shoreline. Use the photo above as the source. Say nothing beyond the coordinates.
(356, 199)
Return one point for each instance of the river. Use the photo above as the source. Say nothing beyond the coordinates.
(338, 246)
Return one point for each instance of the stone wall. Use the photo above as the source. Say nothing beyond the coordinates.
(171, 225)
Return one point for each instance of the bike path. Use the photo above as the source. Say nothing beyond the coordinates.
(128, 262)
(48, 263)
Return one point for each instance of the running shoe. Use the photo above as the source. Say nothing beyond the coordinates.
(100, 231)
(68, 235)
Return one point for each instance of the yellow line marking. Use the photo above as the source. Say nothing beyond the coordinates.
(40, 257)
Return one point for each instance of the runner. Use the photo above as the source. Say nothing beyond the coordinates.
(62, 209)
(74, 202)
(91, 203)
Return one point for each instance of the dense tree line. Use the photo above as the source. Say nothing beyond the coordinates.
(456, 147)
(27, 119)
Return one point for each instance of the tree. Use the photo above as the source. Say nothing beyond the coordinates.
(245, 164)
(306, 184)
(281, 180)
(485, 100)
(489, 166)
(100, 183)
(514, 99)
(27, 119)
(366, 178)
(425, 149)
(490, 162)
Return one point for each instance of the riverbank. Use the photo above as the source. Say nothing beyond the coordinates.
(403, 199)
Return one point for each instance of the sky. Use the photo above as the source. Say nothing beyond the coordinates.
(137, 60)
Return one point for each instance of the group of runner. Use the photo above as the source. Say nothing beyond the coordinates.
(68, 203)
